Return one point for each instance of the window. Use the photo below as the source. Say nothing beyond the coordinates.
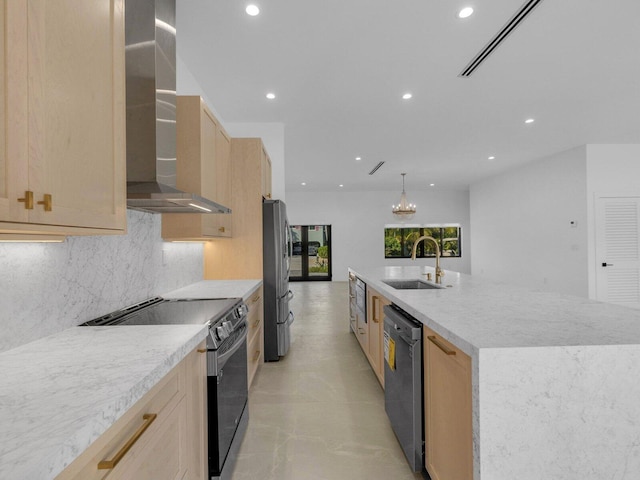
(399, 240)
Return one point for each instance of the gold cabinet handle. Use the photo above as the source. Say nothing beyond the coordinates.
(374, 299)
(47, 201)
(221, 229)
(256, 323)
(109, 464)
(361, 331)
(27, 200)
(256, 356)
(441, 346)
(255, 299)
(202, 350)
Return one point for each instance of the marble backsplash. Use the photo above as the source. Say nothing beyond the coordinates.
(48, 287)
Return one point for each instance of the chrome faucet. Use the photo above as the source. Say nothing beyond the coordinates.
(439, 272)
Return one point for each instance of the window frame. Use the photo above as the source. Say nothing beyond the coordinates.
(422, 251)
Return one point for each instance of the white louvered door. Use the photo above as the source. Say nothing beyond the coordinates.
(618, 250)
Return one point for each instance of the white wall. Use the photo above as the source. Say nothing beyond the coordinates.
(357, 222)
(521, 224)
(611, 170)
(49, 287)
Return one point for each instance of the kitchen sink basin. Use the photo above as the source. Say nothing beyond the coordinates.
(416, 284)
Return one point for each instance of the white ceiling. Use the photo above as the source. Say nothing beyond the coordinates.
(340, 67)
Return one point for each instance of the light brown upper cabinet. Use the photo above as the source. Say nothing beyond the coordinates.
(62, 117)
(241, 256)
(266, 174)
(203, 167)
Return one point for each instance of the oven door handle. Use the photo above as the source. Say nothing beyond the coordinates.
(222, 359)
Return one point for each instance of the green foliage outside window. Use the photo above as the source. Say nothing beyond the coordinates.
(398, 242)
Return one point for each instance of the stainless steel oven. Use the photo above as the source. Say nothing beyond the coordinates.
(227, 389)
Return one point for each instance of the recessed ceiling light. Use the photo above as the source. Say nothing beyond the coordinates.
(432, 184)
(271, 96)
(252, 10)
(529, 120)
(407, 96)
(303, 183)
(358, 158)
(492, 157)
(465, 12)
(341, 185)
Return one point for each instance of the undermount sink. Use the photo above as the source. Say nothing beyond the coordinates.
(414, 284)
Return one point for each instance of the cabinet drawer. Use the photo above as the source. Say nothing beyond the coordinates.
(255, 354)
(254, 318)
(161, 401)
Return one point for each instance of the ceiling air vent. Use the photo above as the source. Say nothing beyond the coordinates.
(375, 169)
(516, 20)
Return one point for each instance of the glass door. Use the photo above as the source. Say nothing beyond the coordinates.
(311, 252)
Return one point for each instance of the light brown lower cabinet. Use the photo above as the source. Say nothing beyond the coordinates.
(375, 317)
(162, 437)
(255, 336)
(447, 415)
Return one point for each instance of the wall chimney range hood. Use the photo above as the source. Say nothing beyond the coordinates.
(150, 38)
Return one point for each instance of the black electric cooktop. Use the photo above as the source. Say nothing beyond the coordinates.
(159, 311)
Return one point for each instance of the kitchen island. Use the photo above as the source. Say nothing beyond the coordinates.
(59, 394)
(555, 391)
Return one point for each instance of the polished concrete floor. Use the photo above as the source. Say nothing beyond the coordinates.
(318, 414)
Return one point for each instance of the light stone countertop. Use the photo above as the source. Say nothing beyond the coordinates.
(60, 393)
(476, 313)
(217, 289)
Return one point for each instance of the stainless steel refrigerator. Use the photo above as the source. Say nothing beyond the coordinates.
(277, 248)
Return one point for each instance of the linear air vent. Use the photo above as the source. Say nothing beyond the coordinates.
(375, 169)
(516, 20)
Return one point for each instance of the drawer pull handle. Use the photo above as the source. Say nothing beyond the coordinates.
(374, 299)
(255, 299)
(202, 350)
(256, 323)
(109, 464)
(441, 346)
(221, 229)
(27, 200)
(256, 356)
(361, 331)
(47, 201)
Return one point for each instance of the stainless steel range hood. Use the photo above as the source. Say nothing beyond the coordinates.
(150, 38)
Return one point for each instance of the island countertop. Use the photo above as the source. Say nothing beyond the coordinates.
(476, 313)
(554, 377)
(60, 393)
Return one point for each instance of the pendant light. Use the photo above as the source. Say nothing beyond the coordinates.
(404, 210)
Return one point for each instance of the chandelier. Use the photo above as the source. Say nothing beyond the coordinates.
(404, 210)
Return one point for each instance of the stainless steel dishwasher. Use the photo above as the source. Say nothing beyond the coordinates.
(403, 392)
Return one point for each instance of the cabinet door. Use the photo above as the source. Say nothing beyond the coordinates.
(362, 331)
(266, 174)
(76, 112)
(447, 394)
(375, 313)
(223, 181)
(208, 187)
(13, 110)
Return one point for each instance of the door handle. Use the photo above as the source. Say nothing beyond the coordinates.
(605, 264)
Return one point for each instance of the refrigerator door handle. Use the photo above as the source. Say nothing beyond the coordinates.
(289, 320)
(289, 295)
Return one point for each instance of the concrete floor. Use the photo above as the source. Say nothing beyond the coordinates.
(318, 414)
